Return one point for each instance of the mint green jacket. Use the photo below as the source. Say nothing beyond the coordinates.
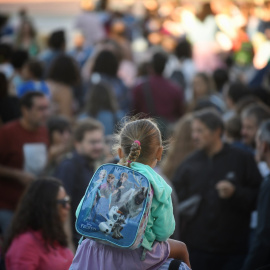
(161, 223)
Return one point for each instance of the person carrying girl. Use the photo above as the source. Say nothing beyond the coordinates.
(140, 148)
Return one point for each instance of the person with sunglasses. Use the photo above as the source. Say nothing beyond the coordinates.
(36, 238)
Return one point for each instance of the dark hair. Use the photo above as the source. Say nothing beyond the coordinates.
(86, 126)
(3, 86)
(210, 118)
(237, 91)
(183, 49)
(106, 63)
(5, 52)
(233, 127)
(38, 211)
(101, 97)
(58, 123)
(57, 40)
(27, 99)
(146, 132)
(65, 70)
(259, 111)
(221, 77)
(158, 62)
(36, 68)
(244, 102)
(19, 58)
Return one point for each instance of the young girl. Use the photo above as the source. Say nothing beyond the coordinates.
(140, 147)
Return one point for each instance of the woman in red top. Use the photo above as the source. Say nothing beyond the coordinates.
(36, 238)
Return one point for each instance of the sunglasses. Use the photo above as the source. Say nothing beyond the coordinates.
(64, 202)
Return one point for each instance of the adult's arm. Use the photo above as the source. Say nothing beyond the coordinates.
(245, 196)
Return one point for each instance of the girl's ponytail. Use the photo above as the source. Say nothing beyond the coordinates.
(134, 153)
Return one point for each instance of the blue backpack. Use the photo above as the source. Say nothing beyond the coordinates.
(115, 207)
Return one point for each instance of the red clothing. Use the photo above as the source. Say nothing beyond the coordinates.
(16, 151)
(28, 252)
(167, 98)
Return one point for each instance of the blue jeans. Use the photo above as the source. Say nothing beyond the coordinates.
(5, 220)
(201, 260)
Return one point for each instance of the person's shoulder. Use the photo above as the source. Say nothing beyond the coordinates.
(28, 237)
(237, 151)
(10, 126)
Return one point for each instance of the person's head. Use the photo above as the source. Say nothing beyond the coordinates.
(263, 142)
(57, 40)
(251, 119)
(221, 77)
(89, 139)
(158, 62)
(183, 50)
(44, 207)
(233, 129)
(139, 140)
(32, 70)
(180, 147)
(202, 86)
(110, 178)
(207, 129)
(234, 93)
(59, 129)
(35, 109)
(106, 63)
(19, 58)
(64, 70)
(101, 97)
(102, 174)
(124, 177)
(3, 86)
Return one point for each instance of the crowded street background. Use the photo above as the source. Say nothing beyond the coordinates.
(71, 78)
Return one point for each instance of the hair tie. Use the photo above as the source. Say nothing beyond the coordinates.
(128, 161)
(138, 142)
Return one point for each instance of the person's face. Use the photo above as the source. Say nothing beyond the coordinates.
(202, 136)
(260, 149)
(102, 175)
(110, 179)
(92, 145)
(123, 178)
(59, 137)
(200, 88)
(63, 204)
(37, 115)
(249, 129)
(25, 73)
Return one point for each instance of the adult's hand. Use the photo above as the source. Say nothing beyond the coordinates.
(225, 189)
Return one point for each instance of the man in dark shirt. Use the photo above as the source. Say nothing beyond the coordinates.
(259, 253)
(227, 179)
(23, 152)
(78, 168)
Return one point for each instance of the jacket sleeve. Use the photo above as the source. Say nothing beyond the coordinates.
(23, 254)
(260, 249)
(246, 192)
(164, 223)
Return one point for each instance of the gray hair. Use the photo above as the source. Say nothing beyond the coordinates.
(264, 132)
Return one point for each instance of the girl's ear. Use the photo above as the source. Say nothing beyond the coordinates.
(159, 153)
(120, 153)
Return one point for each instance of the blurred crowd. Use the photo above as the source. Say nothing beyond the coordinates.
(201, 70)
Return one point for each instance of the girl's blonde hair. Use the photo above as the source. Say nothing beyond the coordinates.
(146, 132)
